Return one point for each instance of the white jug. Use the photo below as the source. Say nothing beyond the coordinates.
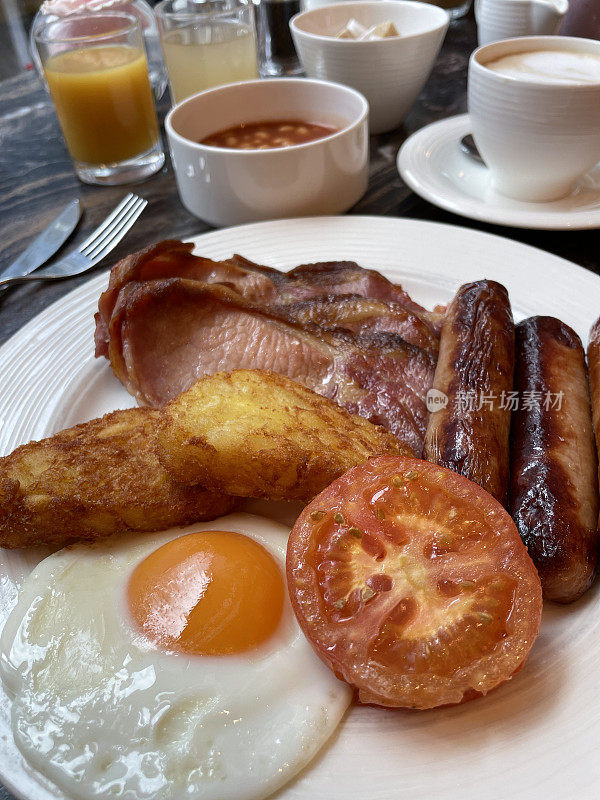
(504, 19)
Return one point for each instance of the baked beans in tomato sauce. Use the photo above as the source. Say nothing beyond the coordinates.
(268, 135)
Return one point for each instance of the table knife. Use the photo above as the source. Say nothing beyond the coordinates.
(47, 243)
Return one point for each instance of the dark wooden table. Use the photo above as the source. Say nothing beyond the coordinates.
(37, 179)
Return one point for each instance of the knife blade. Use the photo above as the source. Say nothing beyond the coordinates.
(47, 243)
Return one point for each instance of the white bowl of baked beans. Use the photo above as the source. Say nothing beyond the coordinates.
(268, 149)
(389, 72)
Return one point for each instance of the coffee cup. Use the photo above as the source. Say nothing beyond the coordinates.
(534, 104)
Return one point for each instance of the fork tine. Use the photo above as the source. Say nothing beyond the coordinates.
(104, 224)
(107, 239)
(118, 234)
(109, 225)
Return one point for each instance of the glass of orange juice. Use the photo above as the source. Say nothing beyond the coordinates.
(96, 70)
(206, 44)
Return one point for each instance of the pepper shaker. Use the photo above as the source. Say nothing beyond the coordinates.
(276, 52)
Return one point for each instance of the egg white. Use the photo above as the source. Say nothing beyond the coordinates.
(101, 712)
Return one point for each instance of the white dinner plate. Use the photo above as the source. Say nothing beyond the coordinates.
(433, 165)
(534, 738)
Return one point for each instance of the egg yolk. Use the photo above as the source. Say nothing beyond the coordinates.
(207, 593)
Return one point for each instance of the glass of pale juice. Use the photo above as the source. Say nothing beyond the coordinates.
(206, 44)
(97, 74)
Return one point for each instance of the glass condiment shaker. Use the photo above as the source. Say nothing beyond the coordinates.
(52, 10)
(276, 52)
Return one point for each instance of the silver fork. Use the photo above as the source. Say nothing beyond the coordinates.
(89, 253)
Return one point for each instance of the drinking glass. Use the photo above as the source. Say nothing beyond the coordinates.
(277, 54)
(96, 70)
(206, 44)
(456, 8)
(52, 10)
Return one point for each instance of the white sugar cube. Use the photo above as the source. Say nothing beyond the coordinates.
(351, 30)
(383, 30)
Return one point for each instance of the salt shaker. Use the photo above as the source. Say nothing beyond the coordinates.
(276, 51)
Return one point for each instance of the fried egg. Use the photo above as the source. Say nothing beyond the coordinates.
(167, 666)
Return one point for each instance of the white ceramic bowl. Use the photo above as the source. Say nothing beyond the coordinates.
(389, 72)
(224, 186)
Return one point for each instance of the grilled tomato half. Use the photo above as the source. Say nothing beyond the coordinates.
(412, 584)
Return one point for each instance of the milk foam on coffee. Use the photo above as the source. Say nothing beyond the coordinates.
(549, 66)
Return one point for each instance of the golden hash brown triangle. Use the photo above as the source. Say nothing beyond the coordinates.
(93, 480)
(255, 433)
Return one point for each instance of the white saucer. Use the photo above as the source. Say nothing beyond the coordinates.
(433, 165)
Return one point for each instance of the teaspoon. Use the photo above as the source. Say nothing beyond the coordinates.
(468, 146)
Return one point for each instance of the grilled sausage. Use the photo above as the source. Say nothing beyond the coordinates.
(553, 487)
(594, 368)
(475, 372)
